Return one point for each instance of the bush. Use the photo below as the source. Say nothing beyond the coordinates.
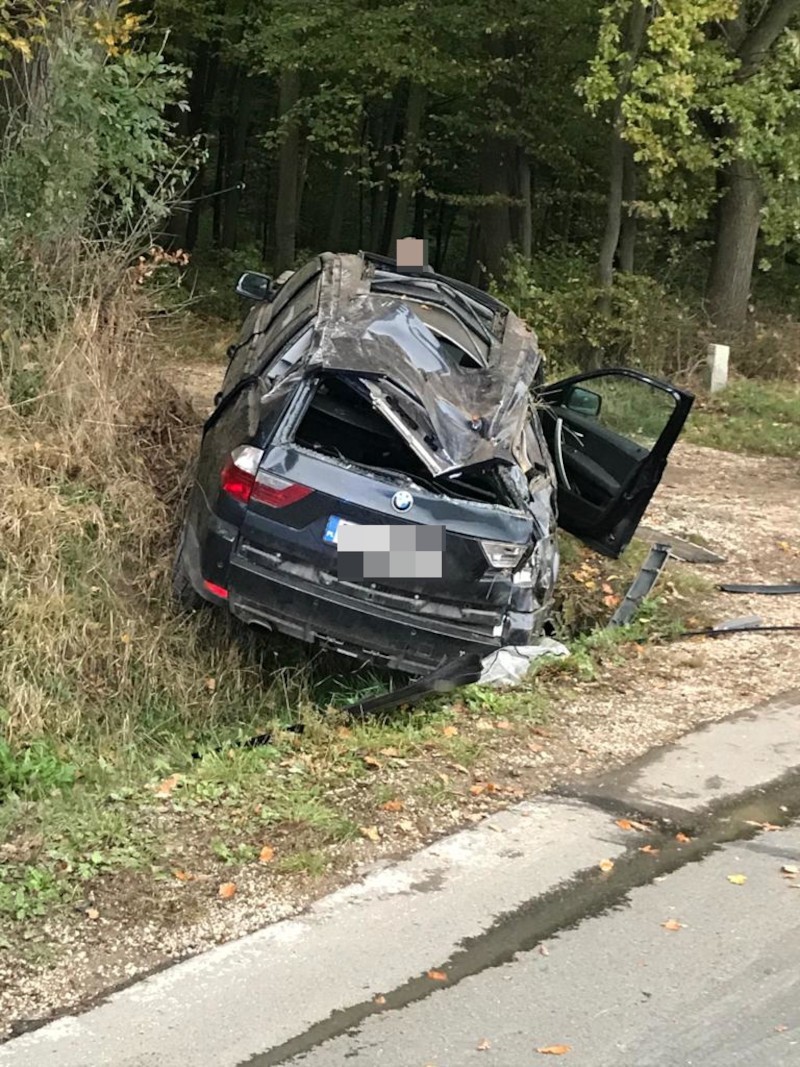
(642, 326)
(93, 446)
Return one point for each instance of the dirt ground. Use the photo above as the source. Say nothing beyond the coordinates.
(744, 508)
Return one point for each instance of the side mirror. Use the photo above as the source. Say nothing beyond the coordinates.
(583, 402)
(254, 286)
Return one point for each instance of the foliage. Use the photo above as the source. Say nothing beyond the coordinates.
(33, 771)
(688, 107)
(645, 325)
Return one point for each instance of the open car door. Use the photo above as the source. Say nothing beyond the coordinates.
(609, 433)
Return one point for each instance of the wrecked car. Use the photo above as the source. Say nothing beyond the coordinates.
(385, 467)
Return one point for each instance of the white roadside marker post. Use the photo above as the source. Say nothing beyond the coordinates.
(717, 367)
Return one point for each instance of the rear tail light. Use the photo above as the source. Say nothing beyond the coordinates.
(241, 479)
(277, 492)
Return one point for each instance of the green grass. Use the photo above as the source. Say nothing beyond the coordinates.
(750, 416)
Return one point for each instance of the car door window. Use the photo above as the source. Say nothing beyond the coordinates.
(609, 434)
(289, 356)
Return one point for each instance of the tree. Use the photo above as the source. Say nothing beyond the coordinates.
(710, 108)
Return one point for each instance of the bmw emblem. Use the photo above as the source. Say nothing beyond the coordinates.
(402, 501)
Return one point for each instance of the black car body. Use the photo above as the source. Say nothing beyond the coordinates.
(358, 394)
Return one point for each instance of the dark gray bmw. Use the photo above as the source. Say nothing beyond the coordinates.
(384, 466)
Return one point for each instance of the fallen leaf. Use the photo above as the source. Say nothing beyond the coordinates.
(484, 1045)
(606, 865)
(379, 999)
(484, 724)
(737, 879)
(390, 753)
(651, 850)
(370, 761)
(683, 838)
(504, 724)
(534, 747)
(781, 1029)
(211, 684)
(393, 805)
(555, 1050)
(164, 789)
(630, 824)
(611, 601)
(92, 913)
(406, 825)
(227, 890)
(437, 976)
(371, 833)
(182, 876)
(790, 868)
(673, 925)
(266, 854)
(450, 731)
(607, 588)
(343, 731)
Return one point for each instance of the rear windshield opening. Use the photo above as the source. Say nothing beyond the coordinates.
(341, 422)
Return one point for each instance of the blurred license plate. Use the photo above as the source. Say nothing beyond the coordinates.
(335, 524)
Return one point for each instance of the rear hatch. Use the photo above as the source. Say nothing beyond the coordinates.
(357, 466)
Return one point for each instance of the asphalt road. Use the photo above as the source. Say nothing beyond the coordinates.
(619, 988)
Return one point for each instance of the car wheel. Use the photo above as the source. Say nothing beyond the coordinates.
(183, 591)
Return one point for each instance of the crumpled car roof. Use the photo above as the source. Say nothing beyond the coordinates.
(467, 415)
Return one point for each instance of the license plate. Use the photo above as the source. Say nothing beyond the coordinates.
(335, 524)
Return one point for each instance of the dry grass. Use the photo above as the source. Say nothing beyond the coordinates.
(92, 475)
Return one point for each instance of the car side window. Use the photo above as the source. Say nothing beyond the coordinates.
(286, 358)
(270, 322)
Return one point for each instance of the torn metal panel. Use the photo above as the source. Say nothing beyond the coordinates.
(686, 551)
(641, 585)
(762, 590)
(472, 414)
(463, 670)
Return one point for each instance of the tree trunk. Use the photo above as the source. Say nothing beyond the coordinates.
(738, 222)
(526, 210)
(219, 183)
(288, 174)
(608, 247)
(635, 35)
(337, 208)
(494, 232)
(234, 172)
(415, 112)
(627, 240)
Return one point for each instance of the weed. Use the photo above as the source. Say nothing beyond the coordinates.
(27, 891)
(306, 861)
(234, 854)
(34, 770)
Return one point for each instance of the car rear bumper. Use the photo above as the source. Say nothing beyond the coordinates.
(303, 607)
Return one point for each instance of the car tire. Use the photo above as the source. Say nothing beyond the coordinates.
(183, 592)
